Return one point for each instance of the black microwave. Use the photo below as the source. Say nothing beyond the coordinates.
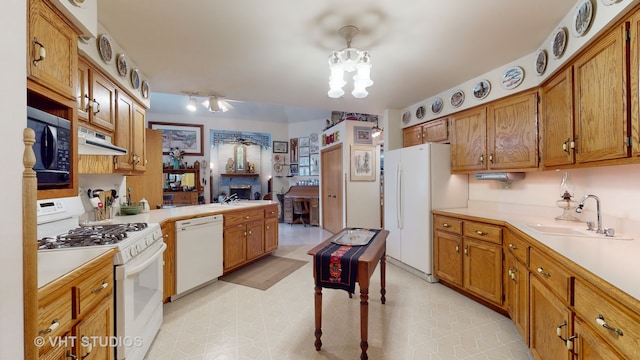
(52, 148)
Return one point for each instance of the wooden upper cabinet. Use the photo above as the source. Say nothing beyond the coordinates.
(412, 136)
(512, 132)
(556, 120)
(436, 131)
(634, 31)
(130, 134)
(96, 98)
(468, 140)
(600, 105)
(51, 35)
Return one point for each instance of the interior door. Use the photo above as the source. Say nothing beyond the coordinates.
(331, 179)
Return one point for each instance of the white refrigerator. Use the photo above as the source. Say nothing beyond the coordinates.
(418, 179)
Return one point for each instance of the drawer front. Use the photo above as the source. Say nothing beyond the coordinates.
(550, 273)
(600, 310)
(271, 211)
(92, 290)
(517, 247)
(54, 314)
(482, 231)
(447, 224)
(239, 217)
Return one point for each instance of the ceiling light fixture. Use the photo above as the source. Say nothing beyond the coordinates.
(376, 131)
(215, 104)
(192, 104)
(349, 60)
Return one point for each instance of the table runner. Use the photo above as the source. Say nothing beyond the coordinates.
(337, 265)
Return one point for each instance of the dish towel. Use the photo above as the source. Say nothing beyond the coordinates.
(337, 265)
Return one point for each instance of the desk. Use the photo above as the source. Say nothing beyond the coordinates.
(376, 251)
(307, 192)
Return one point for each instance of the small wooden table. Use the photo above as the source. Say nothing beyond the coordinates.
(376, 251)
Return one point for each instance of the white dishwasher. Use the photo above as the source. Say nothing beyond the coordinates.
(198, 251)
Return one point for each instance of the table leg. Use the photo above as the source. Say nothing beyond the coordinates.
(318, 314)
(383, 278)
(364, 322)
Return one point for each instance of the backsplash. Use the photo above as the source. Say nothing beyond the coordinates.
(618, 188)
(105, 182)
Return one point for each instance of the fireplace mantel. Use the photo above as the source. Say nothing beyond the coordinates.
(240, 175)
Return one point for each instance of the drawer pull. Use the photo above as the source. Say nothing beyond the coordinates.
(600, 320)
(513, 246)
(542, 272)
(54, 325)
(446, 225)
(247, 217)
(102, 287)
(480, 232)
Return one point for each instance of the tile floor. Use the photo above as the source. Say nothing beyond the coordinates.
(419, 320)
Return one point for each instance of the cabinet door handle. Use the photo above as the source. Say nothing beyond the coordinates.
(247, 217)
(100, 288)
(54, 325)
(491, 158)
(42, 51)
(95, 106)
(88, 347)
(249, 232)
(457, 249)
(466, 250)
(482, 159)
(267, 227)
(70, 355)
(513, 246)
(480, 232)
(600, 320)
(542, 272)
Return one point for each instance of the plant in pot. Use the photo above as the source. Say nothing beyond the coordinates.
(176, 156)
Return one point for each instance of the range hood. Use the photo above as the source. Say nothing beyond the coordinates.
(91, 142)
(503, 176)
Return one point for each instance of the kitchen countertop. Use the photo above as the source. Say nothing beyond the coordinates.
(52, 264)
(613, 260)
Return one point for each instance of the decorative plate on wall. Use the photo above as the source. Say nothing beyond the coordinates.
(104, 46)
(582, 18)
(420, 112)
(541, 62)
(135, 78)
(78, 3)
(482, 89)
(457, 98)
(122, 65)
(406, 116)
(145, 89)
(609, 2)
(512, 78)
(559, 42)
(436, 107)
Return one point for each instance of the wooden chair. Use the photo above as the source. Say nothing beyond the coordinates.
(300, 211)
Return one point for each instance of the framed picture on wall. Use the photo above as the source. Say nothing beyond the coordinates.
(362, 163)
(304, 141)
(280, 147)
(314, 167)
(362, 135)
(303, 151)
(293, 169)
(304, 171)
(186, 137)
(293, 155)
(304, 161)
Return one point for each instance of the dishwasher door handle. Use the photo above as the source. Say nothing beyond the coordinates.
(190, 226)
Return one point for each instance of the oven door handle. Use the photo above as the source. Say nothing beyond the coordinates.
(138, 269)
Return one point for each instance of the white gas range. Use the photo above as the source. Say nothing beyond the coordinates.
(138, 266)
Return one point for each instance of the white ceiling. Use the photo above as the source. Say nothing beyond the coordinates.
(276, 51)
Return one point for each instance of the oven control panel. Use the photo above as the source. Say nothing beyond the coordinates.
(48, 207)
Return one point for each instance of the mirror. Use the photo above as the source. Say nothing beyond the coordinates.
(240, 152)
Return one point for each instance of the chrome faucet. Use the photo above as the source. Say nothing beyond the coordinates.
(581, 205)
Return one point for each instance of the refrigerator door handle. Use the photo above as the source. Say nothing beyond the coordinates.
(399, 209)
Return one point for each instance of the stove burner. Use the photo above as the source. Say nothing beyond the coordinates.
(91, 235)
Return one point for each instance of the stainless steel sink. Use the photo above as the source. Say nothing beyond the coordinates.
(571, 231)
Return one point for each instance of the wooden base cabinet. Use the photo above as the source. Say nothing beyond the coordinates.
(550, 319)
(75, 312)
(516, 282)
(471, 261)
(248, 235)
(169, 270)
